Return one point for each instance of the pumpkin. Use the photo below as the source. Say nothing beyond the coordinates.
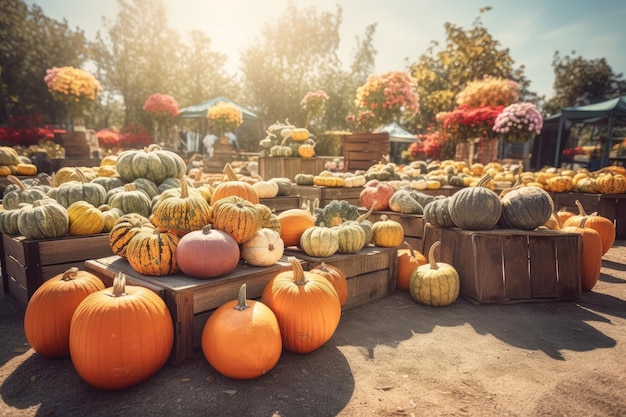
(124, 229)
(293, 222)
(320, 241)
(120, 336)
(611, 183)
(434, 283)
(182, 214)
(265, 189)
(26, 169)
(306, 150)
(153, 252)
(264, 249)
(336, 277)
(110, 215)
(306, 305)
(67, 174)
(300, 134)
(241, 339)
(234, 187)
(238, 217)
(284, 185)
(376, 192)
(84, 219)
(526, 208)
(8, 221)
(44, 219)
(591, 262)
(12, 199)
(109, 183)
(437, 213)
(407, 260)
(387, 233)
(148, 186)
(475, 208)
(601, 224)
(49, 311)
(279, 150)
(168, 184)
(304, 179)
(130, 200)
(72, 191)
(403, 202)
(8, 156)
(350, 237)
(365, 224)
(153, 163)
(207, 253)
(6, 170)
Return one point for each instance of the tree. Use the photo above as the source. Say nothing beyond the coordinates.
(468, 55)
(578, 81)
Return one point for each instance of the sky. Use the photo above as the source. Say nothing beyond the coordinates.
(532, 30)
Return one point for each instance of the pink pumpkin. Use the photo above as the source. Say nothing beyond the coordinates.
(376, 192)
(207, 253)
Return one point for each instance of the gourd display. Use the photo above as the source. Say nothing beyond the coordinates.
(120, 336)
(434, 283)
(153, 163)
(407, 261)
(241, 339)
(602, 225)
(475, 208)
(525, 208)
(591, 262)
(387, 233)
(124, 229)
(84, 219)
(264, 249)
(153, 252)
(611, 183)
(49, 311)
(306, 305)
(336, 277)
(238, 217)
(319, 241)
(182, 214)
(11, 200)
(293, 222)
(207, 253)
(234, 187)
(44, 219)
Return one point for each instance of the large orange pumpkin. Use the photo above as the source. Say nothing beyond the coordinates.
(50, 309)
(602, 225)
(591, 262)
(120, 336)
(241, 339)
(306, 305)
(234, 187)
(408, 260)
(293, 223)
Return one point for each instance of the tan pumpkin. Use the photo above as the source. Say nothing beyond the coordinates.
(320, 241)
(387, 233)
(611, 183)
(266, 189)
(84, 219)
(264, 249)
(435, 283)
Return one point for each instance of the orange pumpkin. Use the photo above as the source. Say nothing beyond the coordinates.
(234, 187)
(602, 225)
(306, 305)
(591, 261)
(408, 260)
(153, 252)
(50, 309)
(241, 339)
(120, 336)
(336, 277)
(293, 223)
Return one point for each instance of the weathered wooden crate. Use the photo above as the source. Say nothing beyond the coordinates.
(613, 207)
(361, 151)
(413, 225)
(288, 167)
(26, 264)
(371, 273)
(190, 301)
(510, 265)
(327, 194)
(281, 203)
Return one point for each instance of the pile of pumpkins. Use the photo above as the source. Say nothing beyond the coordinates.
(11, 163)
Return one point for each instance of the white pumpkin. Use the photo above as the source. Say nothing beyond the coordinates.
(264, 249)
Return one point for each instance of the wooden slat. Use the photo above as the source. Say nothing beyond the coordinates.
(366, 288)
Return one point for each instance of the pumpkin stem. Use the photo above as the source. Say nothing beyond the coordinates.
(581, 209)
(119, 285)
(130, 187)
(70, 274)
(242, 303)
(230, 173)
(184, 189)
(199, 173)
(14, 180)
(431, 255)
(366, 214)
(81, 175)
(581, 225)
(484, 181)
(298, 273)
(206, 229)
(411, 250)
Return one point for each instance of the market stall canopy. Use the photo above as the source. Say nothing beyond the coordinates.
(200, 110)
(613, 111)
(396, 133)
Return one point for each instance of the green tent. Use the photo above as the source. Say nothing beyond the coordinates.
(200, 110)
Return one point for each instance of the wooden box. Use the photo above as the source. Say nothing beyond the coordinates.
(281, 203)
(190, 301)
(327, 194)
(26, 264)
(371, 273)
(75, 144)
(413, 225)
(509, 265)
(288, 167)
(361, 151)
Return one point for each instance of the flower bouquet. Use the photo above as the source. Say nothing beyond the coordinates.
(390, 96)
(519, 122)
(314, 102)
(164, 109)
(224, 117)
(108, 138)
(75, 87)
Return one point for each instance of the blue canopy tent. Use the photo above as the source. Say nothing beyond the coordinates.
(399, 139)
(612, 112)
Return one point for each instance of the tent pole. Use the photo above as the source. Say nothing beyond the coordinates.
(559, 138)
(608, 144)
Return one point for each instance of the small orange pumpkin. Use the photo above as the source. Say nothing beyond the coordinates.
(602, 225)
(293, 223)
(336, 277)
(234, 187)
(408, 260)
(591, 262)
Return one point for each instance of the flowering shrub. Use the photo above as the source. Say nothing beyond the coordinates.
(314, 102)
(570, 153)
(161, 105)
(134, 136)
(108, 138)
(490, 91)
(75, 87)
(26, 131)
(429, 144)
(466, 122)
(389, 96)
(224, 117)
(518, 122)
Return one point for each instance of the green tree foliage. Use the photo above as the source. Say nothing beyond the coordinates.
(31, 43)
(579, 81)
(467, 55)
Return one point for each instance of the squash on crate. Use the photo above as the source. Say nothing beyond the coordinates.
(84, 219)
(475, 208)
(387, 233)
(153, 252)
(293, 222)
(525, 208)
(193, 249)
(182, 214)
(44, 219)
(125, 228)
(153, 163)
(264, 249)
(238, 217)
(233, 186)
(320, 241)
(12, 199)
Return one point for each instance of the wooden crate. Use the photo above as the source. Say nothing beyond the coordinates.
(613, 207)
(76, 145)
(327, 194)
(371, 273)
(288, 167)
(26, 264)
(190, 301)
(361, 151)
(510, 265)
(413, 225)
(281, 203)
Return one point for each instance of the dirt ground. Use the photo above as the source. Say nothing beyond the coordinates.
(391, 357)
